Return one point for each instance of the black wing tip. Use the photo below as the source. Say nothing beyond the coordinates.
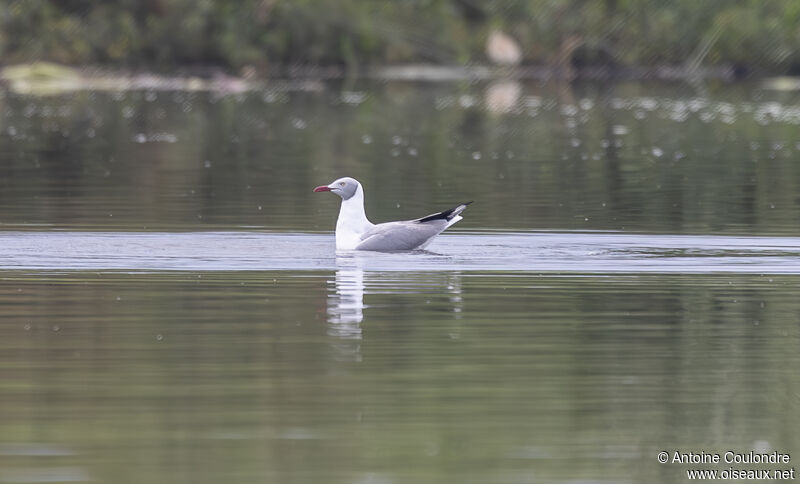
(446, 215)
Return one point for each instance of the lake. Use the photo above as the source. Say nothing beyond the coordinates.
(172, 307)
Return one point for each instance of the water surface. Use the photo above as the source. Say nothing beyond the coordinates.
(647, 158)
(172, 308)
(398, 376)
(592, 253)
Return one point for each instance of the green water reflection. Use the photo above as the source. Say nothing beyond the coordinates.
(244, 377)
(638, 157)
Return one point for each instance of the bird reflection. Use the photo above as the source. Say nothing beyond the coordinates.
(345, 304)
(502, 96)
(454, 289)
(346, 309)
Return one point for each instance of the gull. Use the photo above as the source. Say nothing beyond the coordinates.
(355, 232)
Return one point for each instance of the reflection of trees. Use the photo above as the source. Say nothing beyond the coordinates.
(531, 365)
(633, 156)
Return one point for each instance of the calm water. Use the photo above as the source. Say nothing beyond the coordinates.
(172, 308)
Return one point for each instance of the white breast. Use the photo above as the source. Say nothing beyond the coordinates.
(352, 222)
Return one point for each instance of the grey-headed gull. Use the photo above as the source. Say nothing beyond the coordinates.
(355, 232)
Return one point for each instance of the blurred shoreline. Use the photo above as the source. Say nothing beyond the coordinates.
(49, 78)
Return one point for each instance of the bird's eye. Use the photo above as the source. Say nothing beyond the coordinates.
(341, 183)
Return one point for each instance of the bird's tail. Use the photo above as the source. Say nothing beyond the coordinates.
(448, 215)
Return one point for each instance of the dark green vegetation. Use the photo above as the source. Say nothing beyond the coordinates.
(265, 36)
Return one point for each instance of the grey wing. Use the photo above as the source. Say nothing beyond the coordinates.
(400, 235)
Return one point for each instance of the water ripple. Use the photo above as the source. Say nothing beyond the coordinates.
(567, 252)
